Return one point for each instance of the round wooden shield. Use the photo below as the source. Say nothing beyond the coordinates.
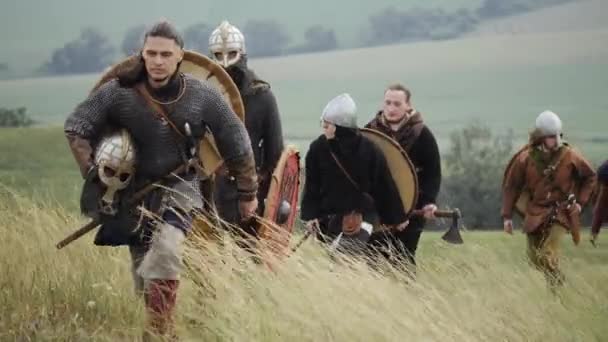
(280, 209)
(204, 69)
(401, 167)
(524, 198)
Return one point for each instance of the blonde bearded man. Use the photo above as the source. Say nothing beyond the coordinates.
(402, 122)
(560, 182)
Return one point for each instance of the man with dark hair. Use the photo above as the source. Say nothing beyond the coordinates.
(348, 190)
(399, 120)
(262, 120)
(600, 212)
(153, 102)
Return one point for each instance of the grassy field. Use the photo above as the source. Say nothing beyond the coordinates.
(480, 291)
(42, 168)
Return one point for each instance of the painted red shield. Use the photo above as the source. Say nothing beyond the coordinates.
(280, 210)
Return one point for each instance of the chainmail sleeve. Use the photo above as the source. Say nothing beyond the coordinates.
(232, 141)
(86, 122)
(89, 117)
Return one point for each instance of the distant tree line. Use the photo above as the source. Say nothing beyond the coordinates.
(394, 26)
(15, 117)
(500, 8)
(391, 25)
(317, 39)
(472, 174)
(91, 51)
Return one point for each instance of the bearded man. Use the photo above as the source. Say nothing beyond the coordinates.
(348, 189)
(558, 182)
(152, 101)
(600, 212)
(262, 120)
(401, 121)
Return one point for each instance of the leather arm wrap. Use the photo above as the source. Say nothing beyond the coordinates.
(243, 170)
(512, 188)
(509, 200)
(82, 151)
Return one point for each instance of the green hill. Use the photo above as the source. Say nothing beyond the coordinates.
(30, 30)
(504, 81)
(573, 16)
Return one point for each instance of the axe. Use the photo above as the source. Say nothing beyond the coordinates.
(139, 195)
(451, 236)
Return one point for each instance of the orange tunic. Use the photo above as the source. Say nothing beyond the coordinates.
(549, 186)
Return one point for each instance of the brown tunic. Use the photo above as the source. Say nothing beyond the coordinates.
(549, 184)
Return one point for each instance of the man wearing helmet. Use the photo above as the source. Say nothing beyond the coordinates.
(348, 189)
(262, 120)
(152, 102)
(402, 122)
(559, 181)
(600, 212)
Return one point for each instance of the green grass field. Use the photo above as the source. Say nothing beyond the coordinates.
(42, 168)
(480, 291)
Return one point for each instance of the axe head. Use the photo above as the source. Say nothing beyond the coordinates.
(453, 234)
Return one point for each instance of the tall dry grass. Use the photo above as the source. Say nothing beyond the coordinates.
(480, 291)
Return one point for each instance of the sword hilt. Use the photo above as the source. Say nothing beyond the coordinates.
(191, 140)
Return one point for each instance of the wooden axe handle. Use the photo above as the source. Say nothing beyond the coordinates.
(453, 214)
(77, 234)
(438, 213)
(446, 213)
(94, 224)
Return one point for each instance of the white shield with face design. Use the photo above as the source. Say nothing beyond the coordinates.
(226, 44)
(115, 159)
